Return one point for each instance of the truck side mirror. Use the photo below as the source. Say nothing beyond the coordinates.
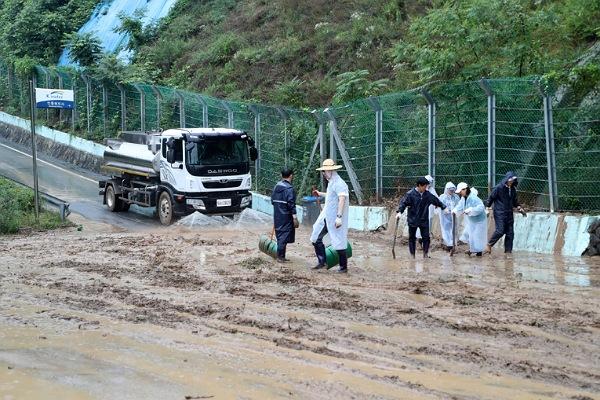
(170, 155)
(253, 153)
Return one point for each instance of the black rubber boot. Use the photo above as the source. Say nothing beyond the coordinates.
(320, 253)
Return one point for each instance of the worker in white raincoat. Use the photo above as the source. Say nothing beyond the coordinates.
(333, 219)
(476, 218)
(431, 190)
(450, 200)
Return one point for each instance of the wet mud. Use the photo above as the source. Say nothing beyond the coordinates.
(191, 312)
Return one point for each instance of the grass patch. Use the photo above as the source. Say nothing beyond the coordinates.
(17, 210)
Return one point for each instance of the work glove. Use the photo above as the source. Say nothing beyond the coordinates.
(296, 223)
(468, 210)
(447, 210)
(520, 210)
(398, 214)
(338, 222)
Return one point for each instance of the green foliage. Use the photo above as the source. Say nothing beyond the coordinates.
(139, 34)
(85, 48)
(35, 29)
(17, 210)
(354, 85)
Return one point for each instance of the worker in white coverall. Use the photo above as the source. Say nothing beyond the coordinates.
(333, 219)
(431, 190)
(476, 218)
(450, 200)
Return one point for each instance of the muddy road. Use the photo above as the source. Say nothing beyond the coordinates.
(186, 313)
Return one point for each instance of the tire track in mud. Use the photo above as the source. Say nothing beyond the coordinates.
(141, 279)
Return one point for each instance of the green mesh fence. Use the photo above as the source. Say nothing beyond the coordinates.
(577, 144)
(386, 138)
(461, 135)
(521, 140)
(404, 141)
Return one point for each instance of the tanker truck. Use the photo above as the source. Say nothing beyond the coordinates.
(179, 171)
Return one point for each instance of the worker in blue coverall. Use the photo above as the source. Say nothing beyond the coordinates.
(504, 199)
(284, 212)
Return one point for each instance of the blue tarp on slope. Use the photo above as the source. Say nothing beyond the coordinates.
(105, 19)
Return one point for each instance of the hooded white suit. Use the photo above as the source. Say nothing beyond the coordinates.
(451, 201)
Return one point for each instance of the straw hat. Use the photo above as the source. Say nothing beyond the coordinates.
(329, 165)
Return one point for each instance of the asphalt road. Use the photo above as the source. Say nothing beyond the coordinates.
(78, 187)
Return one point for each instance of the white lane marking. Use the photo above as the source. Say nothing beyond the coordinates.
(52, 165)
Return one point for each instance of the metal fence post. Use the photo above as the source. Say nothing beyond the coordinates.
(142, 107)
(181, 109)
(204, 110)
(104, 108)
(74, 110)
(374, 103)
(286, 136)
(431, 109)
(491, 131)
(47, 75)
(550, 152)
(158, 105)
(254, 110)
(332, 149)
(229, 113)
(345, 157)
(88, 101)
(60, 86)
(123, 107)
(322, 143)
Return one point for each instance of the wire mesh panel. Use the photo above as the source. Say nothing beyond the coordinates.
(356, 126)
(577, 144)
(461, 135)
(272, 148)
(302, 132)
(521, 140)
(217, 114)
(404, 141)
(193, 109)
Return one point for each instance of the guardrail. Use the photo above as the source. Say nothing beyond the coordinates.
(61, 205)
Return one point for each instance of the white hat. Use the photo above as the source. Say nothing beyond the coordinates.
(461, 186)
(429, 178)
(329, 165)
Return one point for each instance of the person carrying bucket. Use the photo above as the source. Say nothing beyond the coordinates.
(333, 219)
(418, 200)
(284, 212)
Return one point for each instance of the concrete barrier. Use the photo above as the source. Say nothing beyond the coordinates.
(359, 218)
(77, 143)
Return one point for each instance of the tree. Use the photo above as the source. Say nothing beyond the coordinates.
(85, 48)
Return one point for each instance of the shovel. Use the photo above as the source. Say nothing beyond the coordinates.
(395, 235)
(453, 235)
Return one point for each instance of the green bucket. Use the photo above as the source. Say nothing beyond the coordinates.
(267, 246)
(332, 258)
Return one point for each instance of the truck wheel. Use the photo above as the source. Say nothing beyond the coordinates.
(123, 206)
(112, 201)
(165, 208)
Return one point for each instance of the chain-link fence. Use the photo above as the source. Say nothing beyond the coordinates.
(473, 132)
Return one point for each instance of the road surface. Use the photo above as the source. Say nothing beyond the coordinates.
(79, 188)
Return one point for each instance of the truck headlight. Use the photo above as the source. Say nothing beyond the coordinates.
(247, 182)
(196, 203)
(245, 201)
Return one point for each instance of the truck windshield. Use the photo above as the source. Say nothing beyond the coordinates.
(217, 152)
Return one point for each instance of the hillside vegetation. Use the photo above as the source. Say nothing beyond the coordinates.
(315, 52)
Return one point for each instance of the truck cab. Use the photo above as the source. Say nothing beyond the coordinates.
(180, 171)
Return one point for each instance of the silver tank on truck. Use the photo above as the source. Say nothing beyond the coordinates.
(135, 158)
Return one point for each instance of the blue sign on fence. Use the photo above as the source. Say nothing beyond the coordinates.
(54, 98)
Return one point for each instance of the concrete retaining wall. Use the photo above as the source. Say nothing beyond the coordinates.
(81, 152)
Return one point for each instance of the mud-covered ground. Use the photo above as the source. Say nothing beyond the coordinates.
(185, 313)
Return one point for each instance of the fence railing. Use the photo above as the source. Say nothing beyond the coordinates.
(472, 132)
